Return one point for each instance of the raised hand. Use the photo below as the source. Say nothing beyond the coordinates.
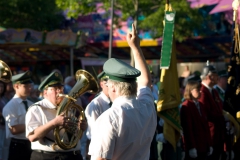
(132, 38)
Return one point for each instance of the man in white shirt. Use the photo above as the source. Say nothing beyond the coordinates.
(41, 120)
(125, 130)
(14, 113)
(98, 105)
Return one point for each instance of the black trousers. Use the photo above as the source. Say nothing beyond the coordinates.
(19, 149)
(38, 155)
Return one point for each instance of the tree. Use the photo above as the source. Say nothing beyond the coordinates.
(187, 20)
(75, 8)
(37, 14)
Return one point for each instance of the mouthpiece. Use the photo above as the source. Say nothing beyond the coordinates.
(67, 96)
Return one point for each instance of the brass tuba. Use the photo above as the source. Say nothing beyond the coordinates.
(5, 72)
(68, 137)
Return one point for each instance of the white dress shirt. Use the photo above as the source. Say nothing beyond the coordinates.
(125, 131)
(14, 113)
(94, 109)
(39, 114)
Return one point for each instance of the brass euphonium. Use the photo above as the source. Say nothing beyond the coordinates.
(68, 137)
(5, 72)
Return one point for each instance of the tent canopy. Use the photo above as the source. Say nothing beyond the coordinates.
(191, 50)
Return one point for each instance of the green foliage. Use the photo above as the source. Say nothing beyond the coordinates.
(45, 14)
(186, 22)
(77, 7)
(35, 14)
(187, 19)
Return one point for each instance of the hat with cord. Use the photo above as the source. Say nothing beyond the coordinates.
(22, 78)
(223, 73)
(102, 76)
(118, 70)
(52, 80)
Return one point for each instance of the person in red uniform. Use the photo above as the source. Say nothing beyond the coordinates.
(214, 109)
(194, 123)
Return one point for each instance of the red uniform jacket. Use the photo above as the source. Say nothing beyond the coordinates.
(195, 127)
(214, 110)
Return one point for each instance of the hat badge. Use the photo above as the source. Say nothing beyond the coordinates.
(56, 74)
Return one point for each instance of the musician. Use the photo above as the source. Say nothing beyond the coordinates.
(98, 105)
(213, 107)
(41, 120)
(14, 113)
(126, 130)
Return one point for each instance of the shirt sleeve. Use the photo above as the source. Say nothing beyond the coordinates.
(92, 114)
(144, 95)
(12, 115)
(33, 119)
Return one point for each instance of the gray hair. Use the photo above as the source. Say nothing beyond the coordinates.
(203, 77)
(125, 88)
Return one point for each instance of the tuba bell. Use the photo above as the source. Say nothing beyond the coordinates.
(5, 72)
(68, 137)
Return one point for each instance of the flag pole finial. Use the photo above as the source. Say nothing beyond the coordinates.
(235, 5)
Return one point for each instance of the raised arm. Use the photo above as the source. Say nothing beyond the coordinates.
(140, 63)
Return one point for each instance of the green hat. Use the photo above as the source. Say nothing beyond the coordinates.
(118, 70)
(222, 73)
(53, 79)
(102, 76)
(194, 78)
(22, 78)
(197, 73)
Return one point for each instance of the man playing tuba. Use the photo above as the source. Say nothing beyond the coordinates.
(41, 120)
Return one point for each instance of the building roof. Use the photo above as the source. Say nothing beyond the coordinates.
(191, 50)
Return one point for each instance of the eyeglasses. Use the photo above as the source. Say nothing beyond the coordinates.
(56, 88)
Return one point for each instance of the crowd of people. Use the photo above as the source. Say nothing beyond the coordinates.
(121, 120)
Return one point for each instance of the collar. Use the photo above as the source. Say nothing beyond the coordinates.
(217, 86)
(105, 98)
(209, 88)
(196, 102)
(18, 99)
(46, 104)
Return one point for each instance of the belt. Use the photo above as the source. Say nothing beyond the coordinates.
(23, 141)
(76, 152)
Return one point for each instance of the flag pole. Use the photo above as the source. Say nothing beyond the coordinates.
(235, 5)
(111, 32)
(169, 94)
(167, 2)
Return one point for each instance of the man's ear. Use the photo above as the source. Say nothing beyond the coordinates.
(113, 88)
(101, 84)
(44, 92)
(15, 86)
(208, 76)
